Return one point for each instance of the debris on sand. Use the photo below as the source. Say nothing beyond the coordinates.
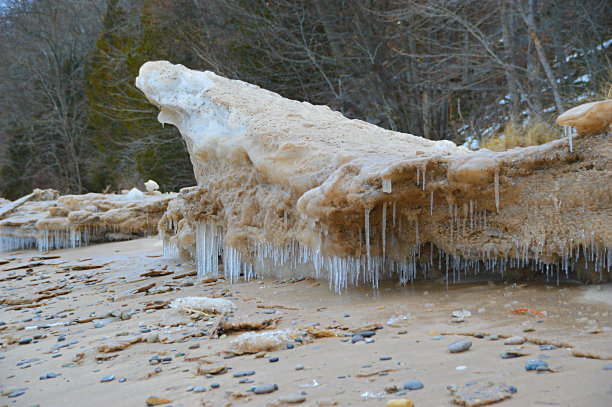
(476, 394)
(254, 342)
(204, 304)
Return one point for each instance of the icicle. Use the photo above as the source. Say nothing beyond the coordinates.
(496, 182)
(394, 204)
(418, 175)
(367, 239)
(471, 216)
(384, 228)
(386, 185)
(424, 170)
(431, 203)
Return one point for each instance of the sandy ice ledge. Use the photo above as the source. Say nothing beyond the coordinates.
(288, 188)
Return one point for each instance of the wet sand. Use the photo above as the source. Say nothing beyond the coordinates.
(578, 318)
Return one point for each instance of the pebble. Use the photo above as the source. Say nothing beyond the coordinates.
(385, 358)
(299, 367)
(547, 347)
(515, 340)
(199, 389)
(194, 346)
(240, 374)
(152, 337)
(536, 364)
(347, 315)
(51, 375)
(293, 399)
(157, 401)
(123, 379)
(25, 341)
(460, 346)
(99, 325)
(16, 393)
(108, 378)
(366, 334)
(245, 380)
(265, 388)
(290, 346)
(190, 388)
(273, 359)
(400, 403)
(61, 338)
(493, 337)
(215, 385)
(413, 385)
(356, 338)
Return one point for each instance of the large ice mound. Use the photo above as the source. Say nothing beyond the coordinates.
(288, 187)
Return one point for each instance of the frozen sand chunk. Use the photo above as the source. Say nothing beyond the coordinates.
(589, 118)
(205, 304)
(286, 187)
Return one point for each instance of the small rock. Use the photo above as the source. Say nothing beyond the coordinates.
(400, 403)
(194, 346)
(290, 346)
(152, 337)
(25, 341)
(265, 388)
(99, 325)
(190, 388)
(273, 359)
(547, 347)
(108, 378)
(494, 337)
(157, 401)
(199, 389)
(413, 385)
(215, 385)
(460, 346)
(125, 315)
(536, 364)
(347, 315)
(259, 355)
(16, 393)
(51, 375)
(239, 374)
(299, 367)
(244, 380)
(356, 338)
(385, 358)
(123, 379)
(293, 399)
(515, 340)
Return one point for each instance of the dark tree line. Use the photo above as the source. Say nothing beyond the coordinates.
(442, 69)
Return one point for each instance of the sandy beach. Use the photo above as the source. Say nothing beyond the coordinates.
(73, 309)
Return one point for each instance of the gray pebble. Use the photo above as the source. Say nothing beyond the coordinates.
(108, 378)
(199, 389)
(123, 379)
(25, 341)
(366, 334)
(16, 393)
(413, 385)
(299, 367)
(190, 388)
(99, 325)
(536, 364)
(51, 375)
(607, 367)
(274, 359)
(152, 337)
(385, 358)
(265, 388)
(356, 338)
(215, 385)
(460, 346)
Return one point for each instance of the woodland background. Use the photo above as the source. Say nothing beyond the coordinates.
(493, 73)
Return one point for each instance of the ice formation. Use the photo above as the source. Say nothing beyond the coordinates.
(151, 185)
(285, 187)
(46, 221)
(589, 118)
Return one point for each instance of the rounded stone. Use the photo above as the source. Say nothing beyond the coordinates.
(265, 388)
(152, 337)
(199, 389)
(273, 359)
(107, 378)
(400, 403)
(25, 341)
(514, 340)
(215, 385)
(413, 385)
(536, 364)
(460, 346)
(356, 338)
